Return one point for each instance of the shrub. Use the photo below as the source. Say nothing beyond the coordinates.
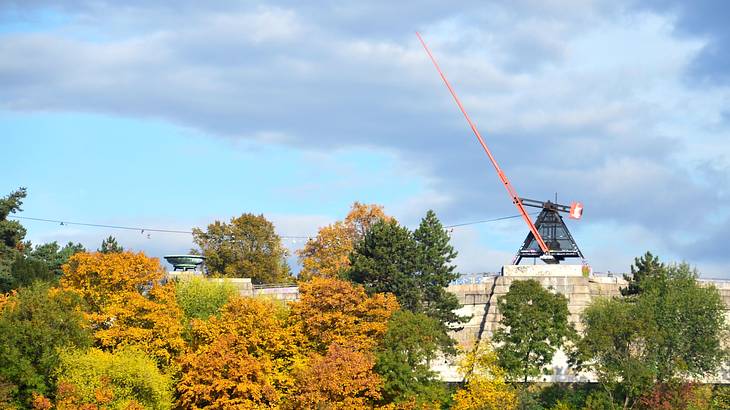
(200, 298)
(119, 380)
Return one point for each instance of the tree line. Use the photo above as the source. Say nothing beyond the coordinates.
(107, 329)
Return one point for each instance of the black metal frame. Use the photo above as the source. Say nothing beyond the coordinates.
(554, 232)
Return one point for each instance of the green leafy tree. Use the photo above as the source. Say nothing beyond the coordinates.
(615, 347)
(690, 322)
(11, 234)
(644, 267)
(534, 324)
(669, 333)
(110, 245)
(412, 341)
(248, 247)
(34, 324)
(124, 379)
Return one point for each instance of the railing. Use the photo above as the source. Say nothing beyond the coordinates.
(258, 286)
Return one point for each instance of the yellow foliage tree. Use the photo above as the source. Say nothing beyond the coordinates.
(327, 255)
(127, 304)
(485, 388)
(343, 378)
(124, 379)
(243, 358)
(334, 311)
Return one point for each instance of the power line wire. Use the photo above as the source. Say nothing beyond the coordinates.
(144, 229)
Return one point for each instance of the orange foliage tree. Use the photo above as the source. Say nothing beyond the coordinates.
(127, 304)
(244, 358)
(343, 378)
(327, 255)
(334, 311)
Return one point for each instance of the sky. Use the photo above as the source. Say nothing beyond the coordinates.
(171, 115)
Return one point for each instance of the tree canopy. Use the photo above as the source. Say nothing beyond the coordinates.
(125, 378)
(110, 245)
(412, 342)
(127, 302)
(414, 266)
(670, 331)
(328, 254)
(11, 234)
(246, 247)
(534, 324)
(34, 324)
(644, 267)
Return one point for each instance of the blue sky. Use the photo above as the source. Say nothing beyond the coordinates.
(296, 110)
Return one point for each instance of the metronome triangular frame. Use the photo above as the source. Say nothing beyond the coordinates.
(556, 235)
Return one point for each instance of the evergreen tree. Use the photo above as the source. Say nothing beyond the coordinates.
(436, 270)
(386, 260)
(644, 267)
(415, 267)
(55, 256)
(11, 234)
(110, 245)
(25, 271)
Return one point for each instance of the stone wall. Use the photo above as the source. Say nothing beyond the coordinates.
(480, 302)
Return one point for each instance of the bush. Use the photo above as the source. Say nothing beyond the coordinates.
(599, 400)
(200, 298)
(721, 397)
(123, 379)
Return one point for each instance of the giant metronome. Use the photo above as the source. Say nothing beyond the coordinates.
(549, 238)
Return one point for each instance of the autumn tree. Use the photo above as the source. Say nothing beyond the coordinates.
(534, 324)
(485, 386)
(243, 358)
(328, 255)
(35, 324)
(123, 379)
(644, 267)
(127, 303)
(342, 378)
(247, 247)
(334, 311)
(11, 234)
(110, 245)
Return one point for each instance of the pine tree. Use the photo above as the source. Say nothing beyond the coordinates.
(110, 245)
(415, 267)
(646, 266)
(11, 233)
(386, 260)
(436, 270)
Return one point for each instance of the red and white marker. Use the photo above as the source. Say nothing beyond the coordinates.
(576, 210)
